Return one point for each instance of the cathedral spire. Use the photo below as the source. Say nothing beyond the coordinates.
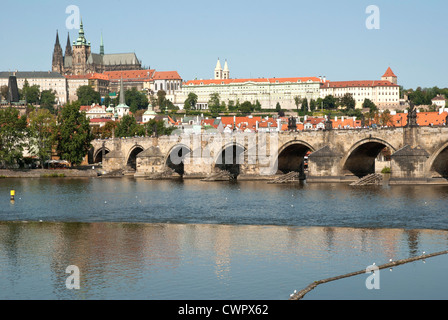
(58, 58)
(81, 38)
(122, 94)
(68, 47)
(102, 45)
(57, 39)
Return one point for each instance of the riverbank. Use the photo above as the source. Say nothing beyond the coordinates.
(48, 173)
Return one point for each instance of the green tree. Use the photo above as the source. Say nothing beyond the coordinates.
(4, 92)
(48, 100)
(162, 130)
(257, 106)
(13, 134)
(368, 104)
(231, 105)
(190, 102)
(329, 102)
(319, 103)
(348, 102)
(214, 103)
(88, 96)
(278, 107)
(246, 107)
(305, 105)
(128, 127)
(161, 99)
(297, 101)
(73, 136)
(109, 130)
(136, 100)
(30, 94)
(313, 105)
(107, 100)
(42, 125)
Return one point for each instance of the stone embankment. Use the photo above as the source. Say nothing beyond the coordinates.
(46, 173)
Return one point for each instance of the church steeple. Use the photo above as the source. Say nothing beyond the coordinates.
(102, 45)
(81, 38)
(58, 59)
(68, 47)
(57, 39)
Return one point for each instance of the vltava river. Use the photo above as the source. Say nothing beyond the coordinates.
(139, 239)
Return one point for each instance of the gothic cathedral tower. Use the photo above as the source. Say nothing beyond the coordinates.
(80, 54)
(68, 47)
(58, 59)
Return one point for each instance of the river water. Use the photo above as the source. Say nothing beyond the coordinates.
(191, 240)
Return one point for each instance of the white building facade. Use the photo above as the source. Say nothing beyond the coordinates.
(45, 81)
(384, 93)
(267, 91)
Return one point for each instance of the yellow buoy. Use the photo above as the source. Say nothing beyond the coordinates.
(13, 193)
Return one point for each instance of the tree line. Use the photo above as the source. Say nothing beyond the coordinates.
(33, 95)
(68, 134)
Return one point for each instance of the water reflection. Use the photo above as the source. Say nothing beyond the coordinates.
(164, 261)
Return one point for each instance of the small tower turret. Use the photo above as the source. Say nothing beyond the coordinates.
(218, 71)
(226, 72)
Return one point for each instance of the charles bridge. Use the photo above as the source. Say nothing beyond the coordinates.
(417, 154)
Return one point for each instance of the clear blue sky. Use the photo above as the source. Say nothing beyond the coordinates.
(259, 38)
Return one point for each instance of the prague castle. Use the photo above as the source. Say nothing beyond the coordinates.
(79, 58)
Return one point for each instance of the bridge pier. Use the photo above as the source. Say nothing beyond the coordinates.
(150, 162)
(324, 166)
(408, 165)
(196, 168)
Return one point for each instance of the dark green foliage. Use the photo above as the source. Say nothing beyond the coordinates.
(368, 104)
(73, 134)
(13, 134)
(87, 96)
(128, 127)
(348, 102)
(48, 100)
(136, 100)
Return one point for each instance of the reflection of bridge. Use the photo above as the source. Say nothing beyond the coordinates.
(418, 154)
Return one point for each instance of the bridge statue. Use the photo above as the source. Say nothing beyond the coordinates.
(412, 115)
(292, 124)
(328, 123)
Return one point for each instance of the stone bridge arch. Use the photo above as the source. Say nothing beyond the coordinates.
(437, 164)
(98, 154)
(131, 158)
(359, 160)
(291, 156)
(175, 158)
(230, 158)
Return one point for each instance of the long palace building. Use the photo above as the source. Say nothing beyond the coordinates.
(268, 91)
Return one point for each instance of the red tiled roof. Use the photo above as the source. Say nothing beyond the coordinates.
(166, 75)
(389, 73)
(360, 83)
(263, 80)
(89, 76)
(130, 75)
(100, 120)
